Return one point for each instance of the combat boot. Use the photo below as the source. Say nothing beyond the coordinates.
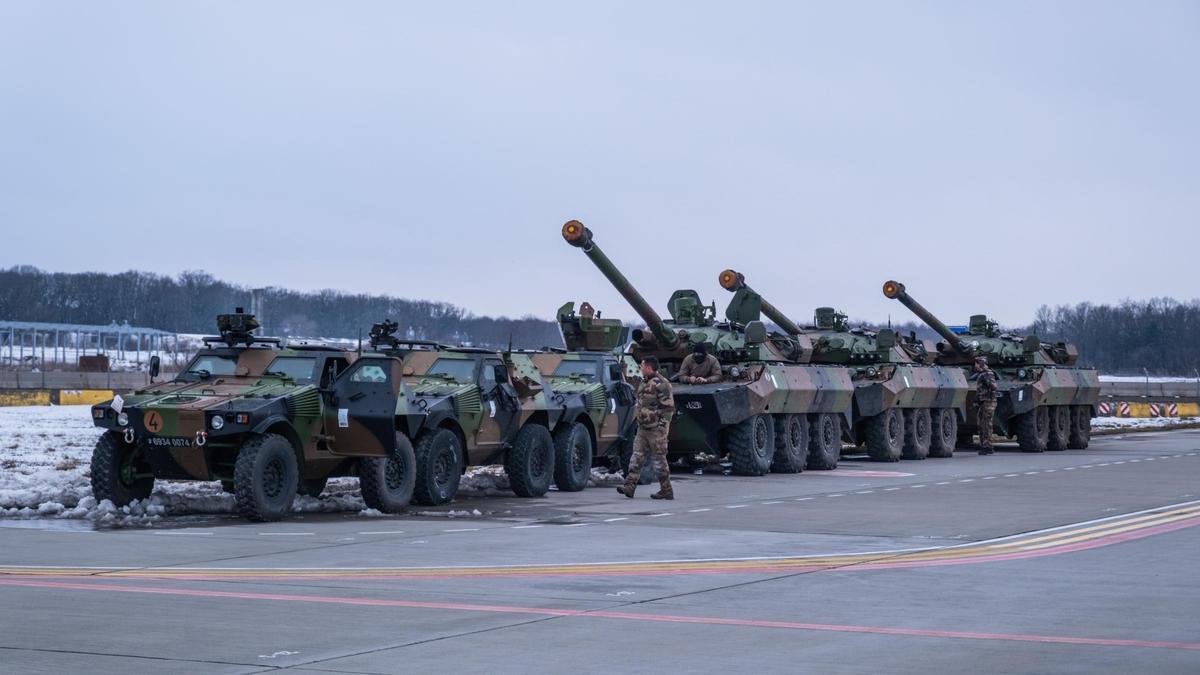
(665, 491)
(986, 450)
(627, 490)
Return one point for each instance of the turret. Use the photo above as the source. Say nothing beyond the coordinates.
(895, 291)
(735, 282)
(586, 331)
(580, 237)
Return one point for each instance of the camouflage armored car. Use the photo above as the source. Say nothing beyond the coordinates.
(1045, 398)
(904, 405)
(770, 412)
(264, 421)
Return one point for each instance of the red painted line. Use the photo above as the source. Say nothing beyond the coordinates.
(602, 614)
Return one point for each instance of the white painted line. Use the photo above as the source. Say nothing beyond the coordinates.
(577, 525)
(613, 520)
(383, 532)
(1032, 473)
(864, 492)
(1116, 463)
(945, 482)
(185, 534)
(698, 510)
(890, 489)
(1011, 475)
(914, 487)
(967, 480)
(463, 529)
(837, 495)
(770, 503)
(285, 534)
(1177, 455)
(1148, 459)
(1192, 454)
(737, 506)
(1087, 466)
(988, 478)
(659, 515)
(1104, 464)
(1049, 470)
(1134, 461)
(803, 499)
(530, 527)
(1070, 468)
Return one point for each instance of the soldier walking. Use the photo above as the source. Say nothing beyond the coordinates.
(654, 409)
(985, 403)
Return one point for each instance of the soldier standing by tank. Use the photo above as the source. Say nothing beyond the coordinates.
(702, 368)
(654, 409)
(985, 403)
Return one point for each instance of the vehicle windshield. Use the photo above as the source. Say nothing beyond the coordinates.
(461, 370)
(212, 364)
(299, 368)
(580, 369)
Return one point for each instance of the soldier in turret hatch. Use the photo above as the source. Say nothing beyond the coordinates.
(700, 368)
(985, 403)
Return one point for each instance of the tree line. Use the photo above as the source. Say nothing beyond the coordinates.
(1161, 335)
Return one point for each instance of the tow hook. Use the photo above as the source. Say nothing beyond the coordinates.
(129, 436)
(201, 438)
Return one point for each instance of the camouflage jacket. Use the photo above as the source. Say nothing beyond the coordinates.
(986, 386)
(654, 403)
(710, 369)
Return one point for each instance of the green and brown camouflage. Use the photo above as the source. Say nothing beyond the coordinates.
(1045, 399)
(890, 372)
(767, 392)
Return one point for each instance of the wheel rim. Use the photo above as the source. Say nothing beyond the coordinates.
(272, 478)
(393, 474)
(760, 437)
(577, 458)
(441, 468)
(922, 428)
(796, 434)
(893, 427)
(537, 463)
(827, 433)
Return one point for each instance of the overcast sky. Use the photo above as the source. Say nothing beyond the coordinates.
(992, 156)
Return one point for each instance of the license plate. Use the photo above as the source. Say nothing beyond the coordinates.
(169, 442)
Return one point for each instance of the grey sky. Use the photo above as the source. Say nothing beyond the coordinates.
(993, 156)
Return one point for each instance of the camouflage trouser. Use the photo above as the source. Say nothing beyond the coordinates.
(652, 442)
(985, 413)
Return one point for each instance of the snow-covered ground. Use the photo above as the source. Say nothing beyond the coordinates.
(1141, 378)
(1142, 422)
(45, 454)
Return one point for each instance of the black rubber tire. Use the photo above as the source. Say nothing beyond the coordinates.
(647, 476)
(1033, 429)
(943, 424)
(265, 478)
(885, 436)
(1060, 427)
(312, 487)
(918, 433)
(572, 457)
(387, 483)
(791, 444)
(439, 458)
(530, 461)
(1081, 427)
(751, 445)
(824, 441)
(112, 461)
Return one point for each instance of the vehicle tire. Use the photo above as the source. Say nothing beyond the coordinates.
(119, 473)
(1060, 427)
(647, 476)
(791, 444)
(530, 461)
(943, 425)
(1081, 427)
(265, 478)
(751, 444)
(1033, 429)
(312, 487)
(572, 457)
(918, 433)
(824, 441)
(885, 436)
(387, 483)
(439, 458)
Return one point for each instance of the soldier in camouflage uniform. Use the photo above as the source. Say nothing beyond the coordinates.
(654, 409)
(985, 403)
(702, 368)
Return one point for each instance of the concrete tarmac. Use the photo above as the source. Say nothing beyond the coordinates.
(1076, 561)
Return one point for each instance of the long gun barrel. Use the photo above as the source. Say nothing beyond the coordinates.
(734, 281)
(580, 237)
(895, 291)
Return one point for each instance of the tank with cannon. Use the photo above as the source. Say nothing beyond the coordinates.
(904, 405)
(770, 412)
(1046, 399)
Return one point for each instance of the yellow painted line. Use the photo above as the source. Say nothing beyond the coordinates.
(1102, 526)
(1107, 533)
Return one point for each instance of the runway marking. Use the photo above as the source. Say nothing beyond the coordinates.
(967, 480)
(659, 515)
(285, 534)
(613, 520)
(804, 499)
(698, 510)
(530, 527)
(383, 532)
(737, 506)
(1053, 541)
(770, 503)
(184, 534)
(988, 478)
(945, 482)
(856, 473)
(577, 525)
(864, 492)
(608, 614)
(463, 529)
(890, 489)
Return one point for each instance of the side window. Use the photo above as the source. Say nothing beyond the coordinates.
(488, 377)
(333, 368)
(369, 373)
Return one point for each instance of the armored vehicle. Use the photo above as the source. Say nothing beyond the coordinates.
(260, 420)
(592, 380)
(769, 412)
(480, 407)
(1045, 398)
(904, 406)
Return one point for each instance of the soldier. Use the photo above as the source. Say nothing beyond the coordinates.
(985, 403)
(702, 368)
(654, 409)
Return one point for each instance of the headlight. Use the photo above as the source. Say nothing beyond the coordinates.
(218, 422)
(1021, 373)
(871, 372)
(123, 420)
(735, 372)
